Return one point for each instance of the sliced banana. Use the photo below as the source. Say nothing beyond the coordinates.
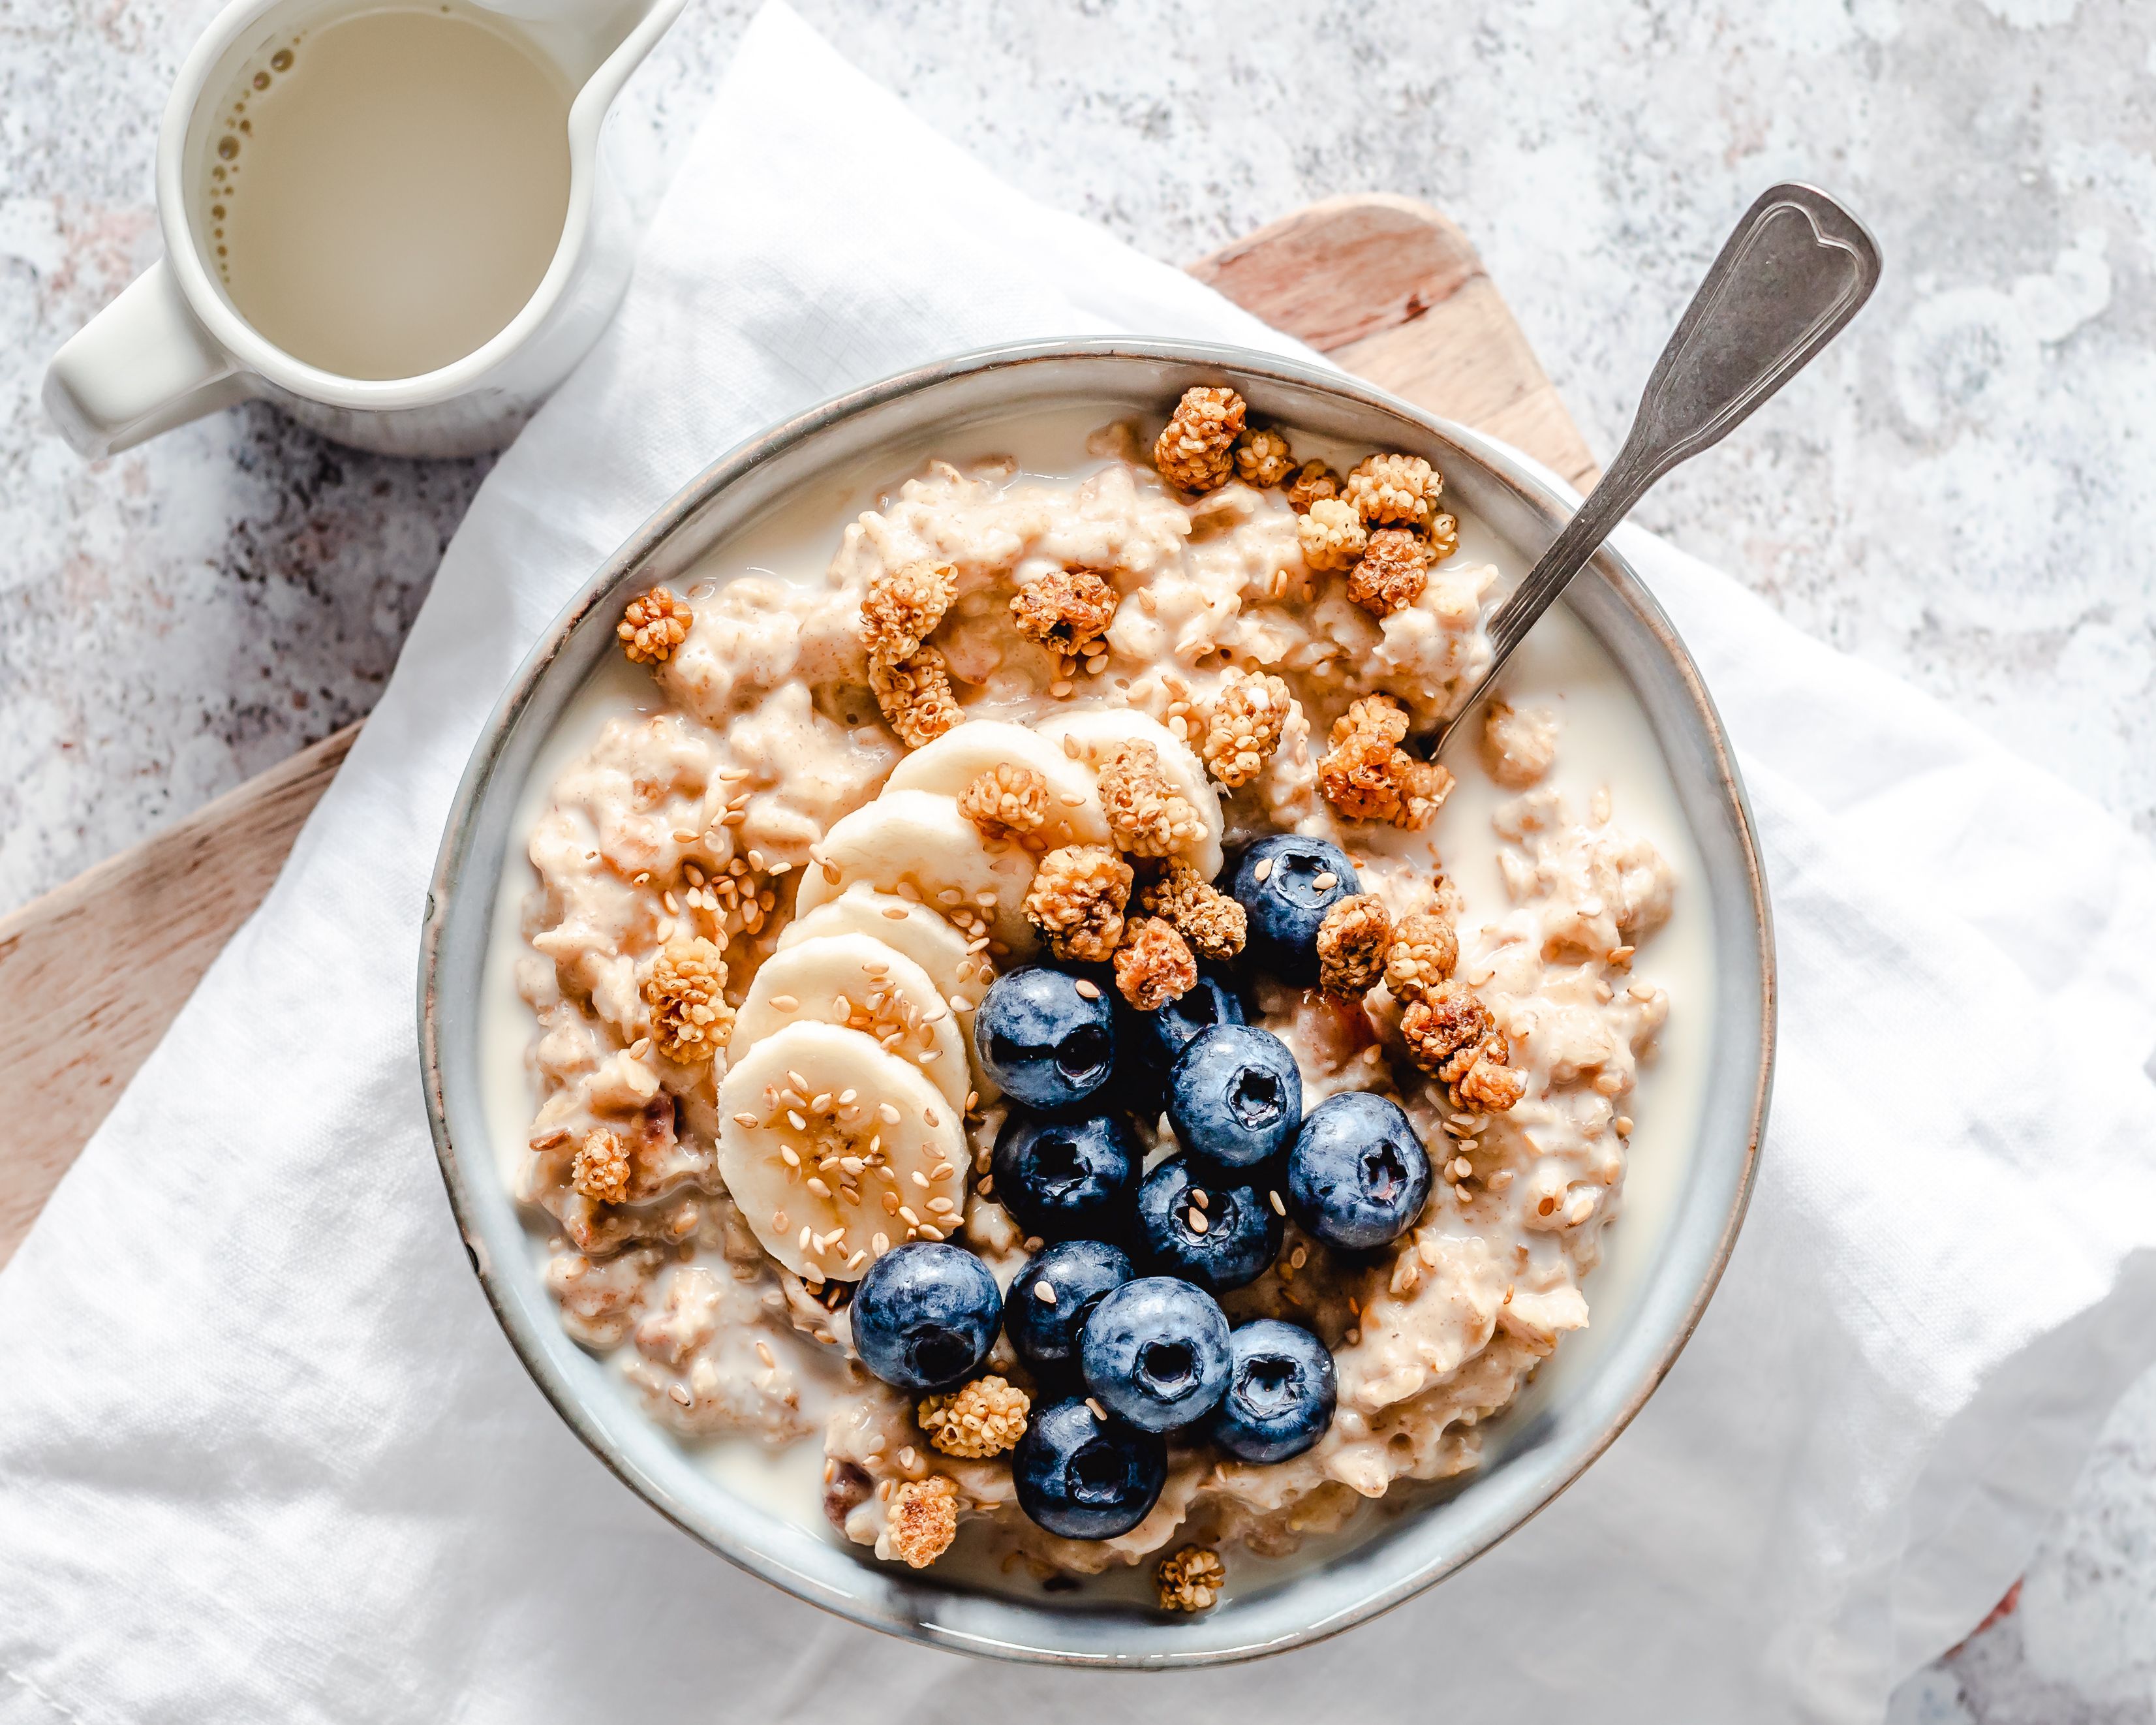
(822, 1135)
(964, 753)
(918, 840)
(923, 935)
(868, 985)
(1095, 732)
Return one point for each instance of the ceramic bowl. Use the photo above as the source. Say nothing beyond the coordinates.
(1601, 1376)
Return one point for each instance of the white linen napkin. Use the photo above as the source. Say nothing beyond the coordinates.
(264, 1455)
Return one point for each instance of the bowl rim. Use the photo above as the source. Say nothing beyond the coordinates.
(1545, 497)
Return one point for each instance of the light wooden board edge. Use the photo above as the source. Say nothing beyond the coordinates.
(98, 968)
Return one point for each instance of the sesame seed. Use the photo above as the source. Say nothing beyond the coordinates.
(1264, 868)
(879, 1243)
(897, 913)
(919, 1179)
(779, 1221)
(1274, 1199)
(680, 1394)
(1197, 1221)
(1044, 1292)
(764, 1353)
(1099, 1412)
(926, 1232)
(795, 1120)
(1087, 989)
(1327, 882)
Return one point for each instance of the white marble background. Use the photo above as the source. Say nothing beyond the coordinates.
(1964, 491)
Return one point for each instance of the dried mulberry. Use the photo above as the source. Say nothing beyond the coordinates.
(1007, 801)
(924, 1519)
(601, 1170)
(980, 1419)
(1367, 776)
(1314, 481)
(1393, 570)
(1424, 951)
(1153, 965)
(1401, 489)
(1212, 925)
(1064, 609)
(902, 607)
(1244, 727)
(1331, 533)
(915, 696)
(1263, 458)
(1196, 450)
(1451, 1035)
(1147, 815)
(686, 992)
(1189, 1580)
(1352, 943)
(1077, 901)
(653, 626)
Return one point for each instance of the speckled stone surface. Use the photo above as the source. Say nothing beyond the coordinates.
(1964, 491)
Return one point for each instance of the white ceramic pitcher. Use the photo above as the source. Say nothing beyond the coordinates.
(172, 348)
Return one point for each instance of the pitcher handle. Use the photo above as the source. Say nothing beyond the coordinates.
(140, 366)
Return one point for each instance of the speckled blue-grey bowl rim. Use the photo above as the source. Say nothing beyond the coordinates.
(1531, 1453)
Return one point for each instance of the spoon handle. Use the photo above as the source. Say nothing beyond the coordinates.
(1795, 270)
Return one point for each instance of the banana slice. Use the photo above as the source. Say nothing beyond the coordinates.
(859, 981)
(964, 753)
(1096, 731)
(828, 1195)
(921, 934)
(919, 839)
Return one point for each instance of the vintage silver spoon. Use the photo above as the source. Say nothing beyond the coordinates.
(1795, 270)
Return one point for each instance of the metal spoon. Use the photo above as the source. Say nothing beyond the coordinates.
(1795, 270)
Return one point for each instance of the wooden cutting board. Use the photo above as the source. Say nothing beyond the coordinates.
(97, 970)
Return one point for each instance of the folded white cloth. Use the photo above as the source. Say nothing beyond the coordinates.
(264, 1455)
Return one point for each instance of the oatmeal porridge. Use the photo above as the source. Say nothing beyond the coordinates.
(1013, 1041)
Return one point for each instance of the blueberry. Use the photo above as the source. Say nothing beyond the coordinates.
(1045, 1042)
(1068, 1179)
(1242, 1232)
(1281, 1392)
(1358, 1174)
(1277, 883)
(1079, 1273)
(925, 1316)
(1085, 1477)
(1155, 1352)
(1160, 1036)
(1235, 1095)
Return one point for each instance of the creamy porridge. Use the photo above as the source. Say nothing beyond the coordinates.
(776, 865)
